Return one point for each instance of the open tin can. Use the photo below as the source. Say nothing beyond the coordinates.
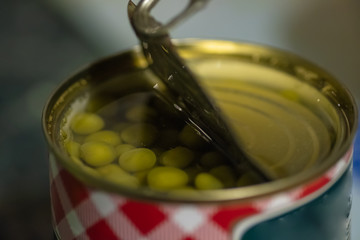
(292, 116)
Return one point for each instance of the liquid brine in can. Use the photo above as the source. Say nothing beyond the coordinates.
(133, 169)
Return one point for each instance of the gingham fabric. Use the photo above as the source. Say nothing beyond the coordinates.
(80, 212)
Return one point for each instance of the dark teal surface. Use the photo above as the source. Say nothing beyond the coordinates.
(357, 159)
(324, 218)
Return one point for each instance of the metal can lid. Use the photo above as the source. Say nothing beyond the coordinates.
(282, 106)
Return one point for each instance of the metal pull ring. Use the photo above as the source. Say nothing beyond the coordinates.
(147, 25)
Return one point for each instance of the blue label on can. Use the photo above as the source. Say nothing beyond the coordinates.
(327, 217)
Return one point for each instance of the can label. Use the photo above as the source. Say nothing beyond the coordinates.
(325, 214)
(317, 210)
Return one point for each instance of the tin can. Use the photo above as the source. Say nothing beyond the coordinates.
(312, 202)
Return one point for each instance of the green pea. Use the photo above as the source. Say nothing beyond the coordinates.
(122, 148)
(166, 178)
(142, 176)
(117, 175)
(137, 159)
(121, 126)
(192, 172)
(86, 123)
(125, 180)
(140, 113)
(247, 179)
(179, 157)
(97, 154)
(206, 181)
(106, 136)
(191, 138)
(225, 174)
(211, 159)
(141, 134)
(73, 148)
(111, 169)
(84, 168)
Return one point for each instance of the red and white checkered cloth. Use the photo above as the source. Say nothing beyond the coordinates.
(80, 212)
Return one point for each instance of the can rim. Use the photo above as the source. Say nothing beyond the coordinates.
(225, 195)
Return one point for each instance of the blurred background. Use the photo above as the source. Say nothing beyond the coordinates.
(44, 41)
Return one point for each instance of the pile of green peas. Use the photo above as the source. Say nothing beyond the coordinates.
(143, 143)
